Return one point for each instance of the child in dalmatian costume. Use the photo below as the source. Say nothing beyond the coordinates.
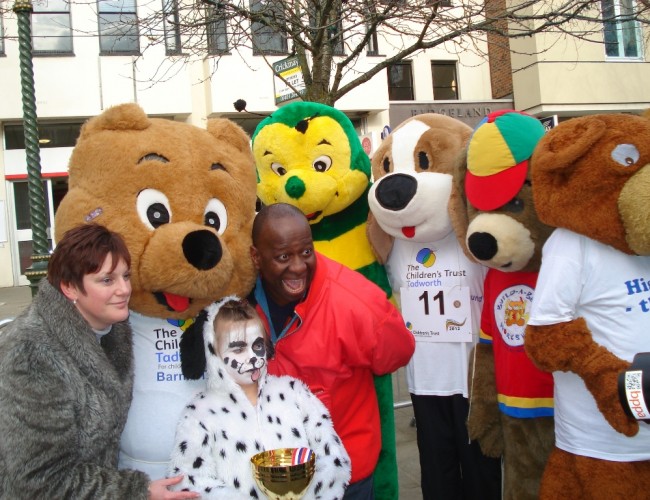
(245, 411)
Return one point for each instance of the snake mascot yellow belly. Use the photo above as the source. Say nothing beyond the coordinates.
(309, 155)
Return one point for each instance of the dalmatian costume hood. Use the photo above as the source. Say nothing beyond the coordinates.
(220, 430)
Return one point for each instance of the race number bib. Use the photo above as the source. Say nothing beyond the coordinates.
(438, 314)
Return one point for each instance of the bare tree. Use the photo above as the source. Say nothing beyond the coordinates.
(332, 38)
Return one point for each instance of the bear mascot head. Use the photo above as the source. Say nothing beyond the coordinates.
(590, 315)
(183, 198)
(511, 399)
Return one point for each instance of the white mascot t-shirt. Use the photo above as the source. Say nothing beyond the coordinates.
(581, 277)
(160, 393)
(437, 368)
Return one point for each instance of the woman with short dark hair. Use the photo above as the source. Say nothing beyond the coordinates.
(66, 375)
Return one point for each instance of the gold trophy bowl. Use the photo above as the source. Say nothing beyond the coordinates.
(284, 473)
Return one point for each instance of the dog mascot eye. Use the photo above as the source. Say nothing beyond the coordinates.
(386, 165)
(216, 216)
(423, 160)
(625, 154)
(153, 208)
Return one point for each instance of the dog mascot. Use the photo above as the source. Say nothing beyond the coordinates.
(590, 315)
(183, 198)
(420, 218)
(309, 155)
(511, 399)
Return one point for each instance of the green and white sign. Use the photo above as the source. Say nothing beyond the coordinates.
(289, 69)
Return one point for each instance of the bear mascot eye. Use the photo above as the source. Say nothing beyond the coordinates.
(153, 208)
(216, 216)
(625, 154)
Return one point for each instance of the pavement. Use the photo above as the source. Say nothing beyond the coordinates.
(13, 300)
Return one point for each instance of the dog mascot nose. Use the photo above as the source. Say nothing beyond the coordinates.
(395, 192)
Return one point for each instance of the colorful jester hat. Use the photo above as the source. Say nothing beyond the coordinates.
(308, 154)
(498, 155)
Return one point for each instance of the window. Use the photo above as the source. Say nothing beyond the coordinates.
(171, 25)
(216, 30)
(267, 37)
(622, 37)
(118, 27)
(372, 48)
(373, 44)
(54, 135)
(51, 29)
(400, 82)
(333, 26)
(443, 74)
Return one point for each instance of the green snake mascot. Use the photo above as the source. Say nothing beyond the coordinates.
(309, 155)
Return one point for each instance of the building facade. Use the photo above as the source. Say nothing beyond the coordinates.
(88, 56)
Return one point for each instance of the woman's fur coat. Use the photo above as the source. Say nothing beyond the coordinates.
(64, 398)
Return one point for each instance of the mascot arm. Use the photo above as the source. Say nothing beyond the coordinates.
(380, 241)
(569, 346)
(484, 420)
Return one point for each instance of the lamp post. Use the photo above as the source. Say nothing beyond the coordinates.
(40, 251)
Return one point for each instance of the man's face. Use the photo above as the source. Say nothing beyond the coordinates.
(285, 258)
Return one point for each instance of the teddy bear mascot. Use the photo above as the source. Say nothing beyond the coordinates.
(309, 155)
(511, 400)
(590, 314)
(183, 198)
(419, 219)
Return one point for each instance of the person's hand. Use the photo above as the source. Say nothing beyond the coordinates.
(158, 490)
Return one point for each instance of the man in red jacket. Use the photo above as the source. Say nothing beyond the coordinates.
(331, 327)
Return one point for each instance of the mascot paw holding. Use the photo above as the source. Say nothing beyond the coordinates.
(183, 198)
(590, 180)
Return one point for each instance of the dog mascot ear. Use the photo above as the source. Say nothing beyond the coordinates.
(183, 198)
(590, 180)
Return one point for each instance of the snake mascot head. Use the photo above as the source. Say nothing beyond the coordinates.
(309, 155)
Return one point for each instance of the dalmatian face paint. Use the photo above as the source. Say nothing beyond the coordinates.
(243, 351)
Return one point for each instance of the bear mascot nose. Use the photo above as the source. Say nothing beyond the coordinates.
(482, 245)
(396, 191)
(202, 249)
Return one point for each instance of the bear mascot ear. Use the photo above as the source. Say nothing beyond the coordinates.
(561, 150)
(192, 349)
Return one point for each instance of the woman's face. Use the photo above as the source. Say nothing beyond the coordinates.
(242, 348)
(106, 300)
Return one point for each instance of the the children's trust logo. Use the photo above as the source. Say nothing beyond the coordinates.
(183, 324)
(426, 257)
